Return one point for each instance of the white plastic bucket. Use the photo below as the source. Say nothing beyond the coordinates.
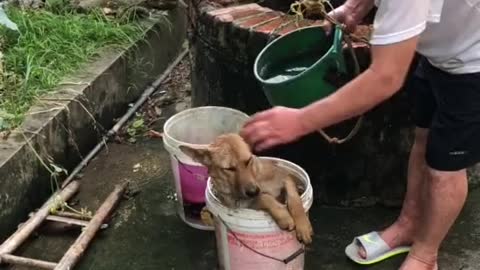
(250, 239)
(196, 126)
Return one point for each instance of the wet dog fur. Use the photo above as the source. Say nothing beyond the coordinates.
(241, 180)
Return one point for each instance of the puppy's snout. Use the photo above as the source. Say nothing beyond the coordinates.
(252, 191)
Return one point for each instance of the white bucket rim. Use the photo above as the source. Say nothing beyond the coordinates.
(173, 118)
(218, 209)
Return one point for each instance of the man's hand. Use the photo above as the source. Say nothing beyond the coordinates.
(351, 13)
(276, 126)
(343, 14)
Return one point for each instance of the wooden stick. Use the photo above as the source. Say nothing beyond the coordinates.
(78, 248)
(22, 233)
(72, 221)
(12, 259)
(71, 215)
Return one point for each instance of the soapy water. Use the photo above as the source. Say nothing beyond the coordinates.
(286, 74)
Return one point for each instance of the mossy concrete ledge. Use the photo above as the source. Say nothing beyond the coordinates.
(65, 125)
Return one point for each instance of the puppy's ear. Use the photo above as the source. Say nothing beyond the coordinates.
(199, 154)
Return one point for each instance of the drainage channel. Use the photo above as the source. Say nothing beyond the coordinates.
(114, 130)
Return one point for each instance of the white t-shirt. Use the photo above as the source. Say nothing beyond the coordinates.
(449, 30)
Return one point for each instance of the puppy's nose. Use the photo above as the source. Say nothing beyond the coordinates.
(252, 191)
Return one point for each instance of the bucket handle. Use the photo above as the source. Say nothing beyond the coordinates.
(337, 40)
(337, 51)
(196, 175)
(287, 260)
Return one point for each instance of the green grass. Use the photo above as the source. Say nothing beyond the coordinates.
(52, 44)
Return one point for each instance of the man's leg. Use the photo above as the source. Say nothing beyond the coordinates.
(451, 148)
(445, 198)
(401, 232)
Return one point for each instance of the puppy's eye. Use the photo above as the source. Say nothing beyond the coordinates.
(232, 169)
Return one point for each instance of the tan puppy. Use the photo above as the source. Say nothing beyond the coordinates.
(241, 180)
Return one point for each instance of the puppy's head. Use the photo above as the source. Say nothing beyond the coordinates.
(230, 163)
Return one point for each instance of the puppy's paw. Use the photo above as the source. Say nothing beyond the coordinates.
(286, 223)
(206, 217)
(304, 231)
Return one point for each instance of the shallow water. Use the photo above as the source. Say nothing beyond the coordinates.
(285, 74)
(280, 71)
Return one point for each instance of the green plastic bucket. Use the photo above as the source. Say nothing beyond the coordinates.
(295, 69)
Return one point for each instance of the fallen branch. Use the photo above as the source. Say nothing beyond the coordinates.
(154, 134)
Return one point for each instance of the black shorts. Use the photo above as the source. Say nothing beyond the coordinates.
(449, 106)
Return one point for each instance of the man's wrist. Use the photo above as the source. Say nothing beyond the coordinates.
(305, 121)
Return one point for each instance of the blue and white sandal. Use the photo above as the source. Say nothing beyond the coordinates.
(376, 249)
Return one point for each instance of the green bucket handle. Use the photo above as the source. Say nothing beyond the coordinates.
(336, 56)
(336, 53)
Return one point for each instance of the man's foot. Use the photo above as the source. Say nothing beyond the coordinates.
(398, 234)
(415, 263)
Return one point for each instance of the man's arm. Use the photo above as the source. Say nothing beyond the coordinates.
(384, 77)
(397, 27)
